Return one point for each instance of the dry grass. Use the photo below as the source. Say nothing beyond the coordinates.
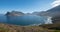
(14, 28)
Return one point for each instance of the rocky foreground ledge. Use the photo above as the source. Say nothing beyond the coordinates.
(15, 28)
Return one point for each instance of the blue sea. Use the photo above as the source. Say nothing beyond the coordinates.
(25, 20)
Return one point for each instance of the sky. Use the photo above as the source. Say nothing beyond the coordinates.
(27, 6)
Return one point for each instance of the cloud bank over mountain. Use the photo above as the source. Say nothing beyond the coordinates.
(55, 3)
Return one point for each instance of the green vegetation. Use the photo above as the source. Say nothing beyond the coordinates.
(3, 29)
(57, 31)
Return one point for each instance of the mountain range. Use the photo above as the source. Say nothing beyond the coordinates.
(54, 13)
(51, 12)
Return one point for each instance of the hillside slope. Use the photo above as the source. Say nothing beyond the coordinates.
(15, 28)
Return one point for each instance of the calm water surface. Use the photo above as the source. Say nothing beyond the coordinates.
(23, 20)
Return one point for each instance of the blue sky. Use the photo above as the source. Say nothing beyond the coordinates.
(25, 5)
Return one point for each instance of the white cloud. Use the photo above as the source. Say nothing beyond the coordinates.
(55, 3)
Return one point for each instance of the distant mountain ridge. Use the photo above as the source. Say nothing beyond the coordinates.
(14, 13)
(55, 9)
(54, 13)
(51, 12)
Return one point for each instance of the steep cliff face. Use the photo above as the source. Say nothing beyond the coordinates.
(54, 13)
(51, 12)
(14, 13)
(55, 9)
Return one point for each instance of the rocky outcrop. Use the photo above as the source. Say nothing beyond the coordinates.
(56, 19)
(14, 13)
